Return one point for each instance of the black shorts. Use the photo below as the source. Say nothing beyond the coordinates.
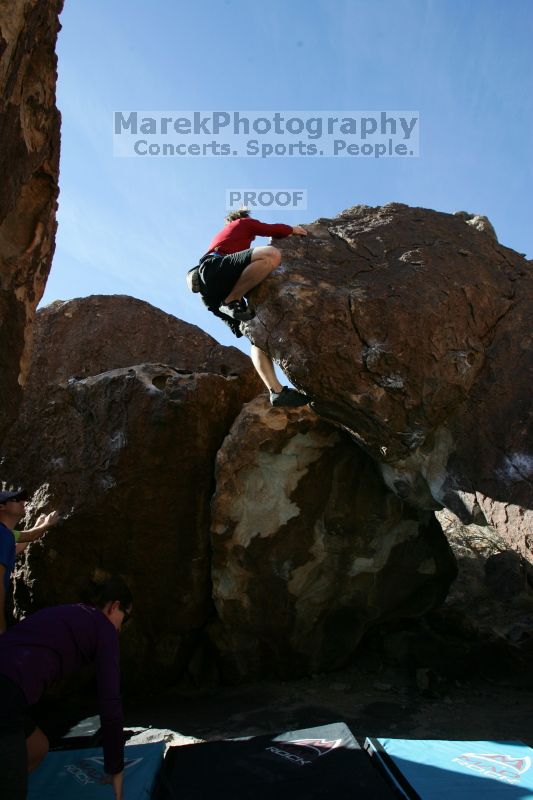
(219, 274)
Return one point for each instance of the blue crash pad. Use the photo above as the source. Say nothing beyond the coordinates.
(67, 774)
(429, 769)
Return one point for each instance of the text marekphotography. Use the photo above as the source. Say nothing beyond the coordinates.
(266, 134)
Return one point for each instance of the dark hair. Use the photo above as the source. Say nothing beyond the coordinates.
(107, 591)
(240, 213)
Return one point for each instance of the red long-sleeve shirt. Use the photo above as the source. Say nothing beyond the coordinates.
(239, 234)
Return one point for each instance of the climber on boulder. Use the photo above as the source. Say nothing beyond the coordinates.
(228, 271)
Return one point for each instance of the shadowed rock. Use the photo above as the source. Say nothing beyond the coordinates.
(310, 549)
(127, 457)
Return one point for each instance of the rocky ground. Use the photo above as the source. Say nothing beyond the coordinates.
(369, 704)
(375, 698)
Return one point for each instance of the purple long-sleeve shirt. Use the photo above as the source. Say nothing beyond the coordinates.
(54, 643)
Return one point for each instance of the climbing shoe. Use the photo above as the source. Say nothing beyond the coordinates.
(237, 309)
(289, 398)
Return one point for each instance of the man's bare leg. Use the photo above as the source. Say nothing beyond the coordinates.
(265, 369)
(279, 395)
(264, 261)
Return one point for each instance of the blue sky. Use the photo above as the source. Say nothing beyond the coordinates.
(133, 225)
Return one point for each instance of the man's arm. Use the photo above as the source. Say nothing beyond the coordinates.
(278, 230)
(110, 704)
(44, 522)
(2, 600)
(118, 782)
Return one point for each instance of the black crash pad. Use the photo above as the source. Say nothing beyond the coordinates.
(322, 762)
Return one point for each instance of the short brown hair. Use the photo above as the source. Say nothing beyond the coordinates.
(240, 213)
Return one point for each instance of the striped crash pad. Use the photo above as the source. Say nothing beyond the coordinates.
(67, 774)
(422, 769)
(321, 762)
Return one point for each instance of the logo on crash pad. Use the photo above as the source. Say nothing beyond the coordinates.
(500, 766)
(303, 751)
(91, 769)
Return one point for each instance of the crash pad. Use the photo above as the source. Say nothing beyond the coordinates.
(435, 769)
(305, 764)
(67, 774)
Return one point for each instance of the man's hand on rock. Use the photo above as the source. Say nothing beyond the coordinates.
(46, 521)
(299, 231)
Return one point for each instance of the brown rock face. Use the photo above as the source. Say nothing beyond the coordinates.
(29, 166)
(411, 329)
(127, 457)
(94, 334)
(310, 549)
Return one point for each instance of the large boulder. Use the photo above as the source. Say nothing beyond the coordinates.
(411, 329)
(127, 457)
(310, 549)
(89, 335)
(29, 165)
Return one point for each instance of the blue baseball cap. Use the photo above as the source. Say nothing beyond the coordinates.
(5, 497)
